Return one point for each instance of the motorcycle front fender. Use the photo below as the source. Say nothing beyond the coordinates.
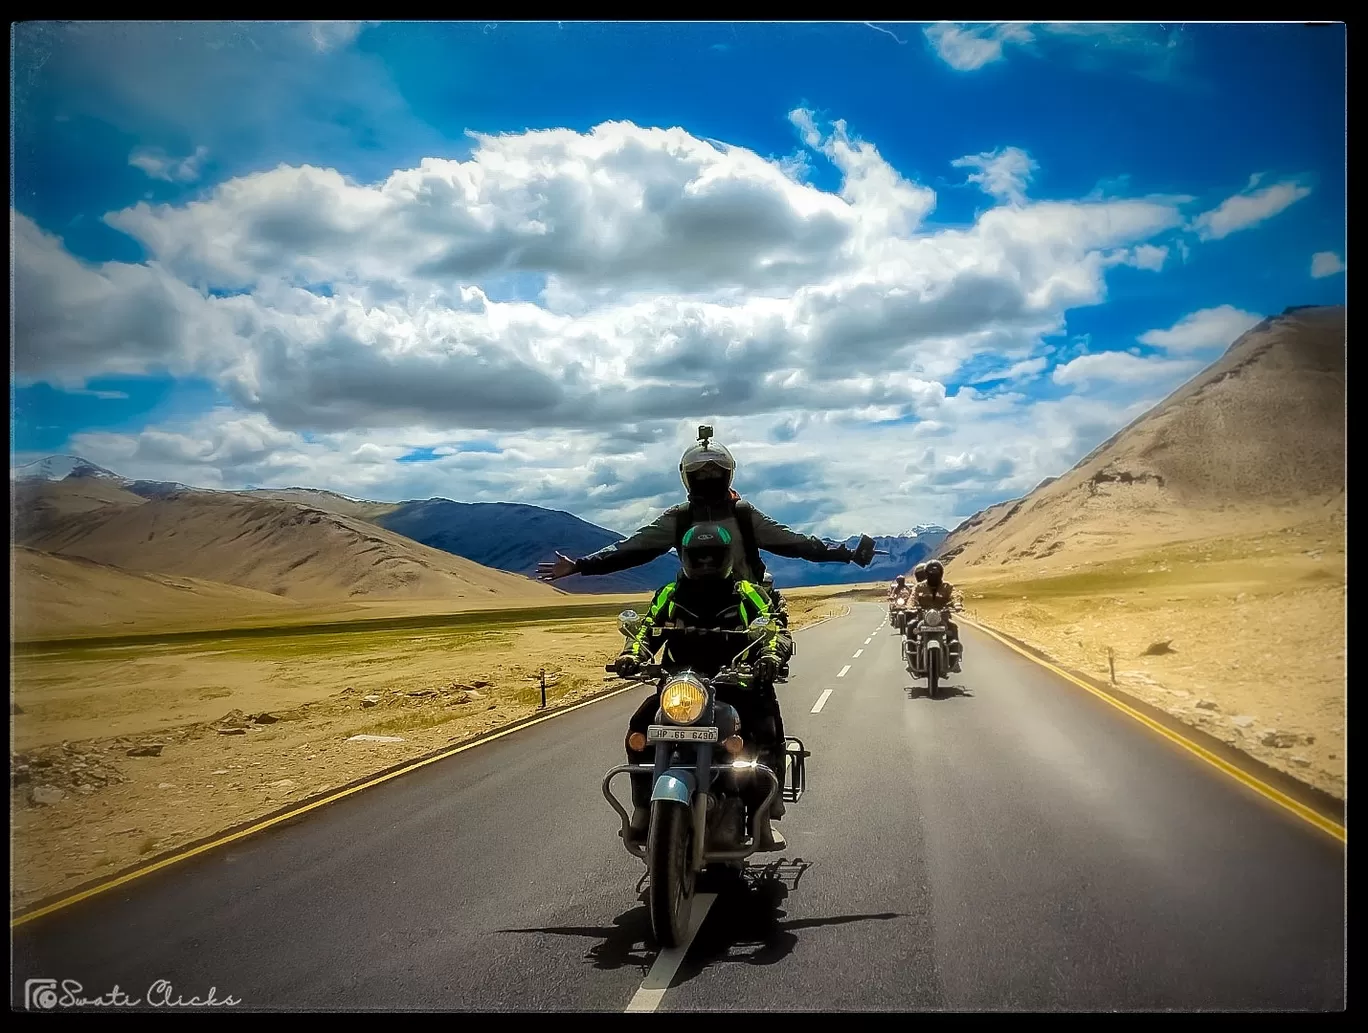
(677, 785)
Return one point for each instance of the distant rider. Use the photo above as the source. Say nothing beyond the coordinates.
(708, 594)
(779, 610)
(937, 593)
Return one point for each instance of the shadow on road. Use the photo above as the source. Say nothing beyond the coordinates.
(943, 692)
(626, 942)
(745, 914)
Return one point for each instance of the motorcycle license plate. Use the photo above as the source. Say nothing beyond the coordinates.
(667, 733)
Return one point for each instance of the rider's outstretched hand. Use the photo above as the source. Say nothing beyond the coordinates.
(627, 665)
(562, 566)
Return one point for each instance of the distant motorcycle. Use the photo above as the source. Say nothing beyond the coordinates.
(897, 611)
(926, 648)
(698, 818)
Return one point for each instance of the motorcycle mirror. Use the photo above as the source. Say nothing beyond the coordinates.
(759, 627)
(629, 622)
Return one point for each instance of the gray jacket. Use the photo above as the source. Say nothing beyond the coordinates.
(659, 537)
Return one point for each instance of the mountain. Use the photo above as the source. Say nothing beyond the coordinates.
(509, 537)
(1259, 433)
(515, 537)
(328, 501)
(282, 548)
(56, 468)
(40, 504)
(904, 553)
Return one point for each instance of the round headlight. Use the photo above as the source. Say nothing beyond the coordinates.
(932, 618)
(683, 699)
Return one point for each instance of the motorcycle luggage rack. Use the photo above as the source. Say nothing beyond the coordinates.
(795, 780)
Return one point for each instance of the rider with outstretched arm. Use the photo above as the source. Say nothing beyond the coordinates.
(707, 469)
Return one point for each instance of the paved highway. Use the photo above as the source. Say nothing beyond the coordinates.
(1017, 844)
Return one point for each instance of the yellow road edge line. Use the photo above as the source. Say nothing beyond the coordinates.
(260, 826)
(1300, 810)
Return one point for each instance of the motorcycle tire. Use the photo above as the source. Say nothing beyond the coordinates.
(671, 876)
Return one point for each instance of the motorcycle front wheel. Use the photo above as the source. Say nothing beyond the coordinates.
(932, 671)
(671, 876)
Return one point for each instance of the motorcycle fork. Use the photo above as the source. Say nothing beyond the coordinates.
(702, 765)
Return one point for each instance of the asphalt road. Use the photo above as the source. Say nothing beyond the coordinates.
(1014, 845)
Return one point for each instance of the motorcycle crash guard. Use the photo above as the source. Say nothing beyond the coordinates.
(677, 784)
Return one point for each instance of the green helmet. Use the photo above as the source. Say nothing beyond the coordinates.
(706, 553)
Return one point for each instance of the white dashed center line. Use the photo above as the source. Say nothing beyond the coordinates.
(857, 654)
(821, 701)
(667, 962)
(843, 671)
(869, 640)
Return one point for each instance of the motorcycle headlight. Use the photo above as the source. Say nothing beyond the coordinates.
(683, 699)
(932, 618)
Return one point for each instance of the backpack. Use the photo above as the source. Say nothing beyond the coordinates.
(741, 510)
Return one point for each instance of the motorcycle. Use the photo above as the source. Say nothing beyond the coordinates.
(698, 818)
(926, 648)
(897, 611)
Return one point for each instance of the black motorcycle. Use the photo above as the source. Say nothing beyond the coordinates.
(698, 817)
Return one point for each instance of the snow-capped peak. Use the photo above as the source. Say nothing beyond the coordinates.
(57, 468)
(924, 529)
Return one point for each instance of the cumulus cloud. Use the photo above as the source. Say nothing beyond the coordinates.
(1002, 174)
(1248, 209)
(666, 281)
(1208, 328)
(813, 299)
(828, 473)
(1326, 263)
(158, 165)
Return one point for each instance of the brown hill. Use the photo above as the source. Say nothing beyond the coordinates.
(39, 506)
(58, 595)
(297, 552)
(1258, 434)
(328, 501)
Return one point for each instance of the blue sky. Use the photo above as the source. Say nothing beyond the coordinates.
(907, 270)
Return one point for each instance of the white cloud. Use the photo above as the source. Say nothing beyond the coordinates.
(1122, 368)
(1247, 209)
(967, 48)
(674, 281)
(158, 165)
(1002, 173)
(1209, 328)
(1150, 50)
(1326, 263)
(830, 473)
(1147, 256)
